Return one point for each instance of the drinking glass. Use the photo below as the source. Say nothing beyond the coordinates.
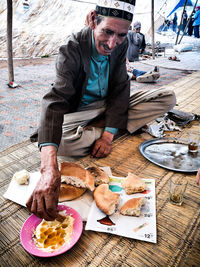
(177, 189)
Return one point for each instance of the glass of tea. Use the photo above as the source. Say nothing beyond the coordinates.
(177, 189)
(193, 141)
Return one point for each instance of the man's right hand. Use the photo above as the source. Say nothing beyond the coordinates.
(44, 199)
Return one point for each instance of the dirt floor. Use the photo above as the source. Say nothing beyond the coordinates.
(28, 61)
(20, 107)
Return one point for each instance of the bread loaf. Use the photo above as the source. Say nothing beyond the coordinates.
(133, 206)
(99, 175)
(105, 199)
(133, 184)
(76, 175)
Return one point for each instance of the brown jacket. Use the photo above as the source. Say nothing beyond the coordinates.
(72, 73)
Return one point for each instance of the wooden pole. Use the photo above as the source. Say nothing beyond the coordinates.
(9, 41)
(188, 22)
(152, 28)
(179, 29)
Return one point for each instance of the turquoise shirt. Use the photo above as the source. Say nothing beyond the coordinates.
(97, 86)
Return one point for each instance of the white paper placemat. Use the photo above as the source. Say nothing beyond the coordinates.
(141, 228)
(20, 194)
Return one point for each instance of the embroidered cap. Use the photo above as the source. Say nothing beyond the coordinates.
(122, 9)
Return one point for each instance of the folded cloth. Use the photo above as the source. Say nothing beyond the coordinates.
(157, 130)
(181, 117)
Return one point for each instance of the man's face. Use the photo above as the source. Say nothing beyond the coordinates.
(110, 33)
(138, 30)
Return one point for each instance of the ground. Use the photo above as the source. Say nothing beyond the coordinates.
(20, 107)
(28, 61)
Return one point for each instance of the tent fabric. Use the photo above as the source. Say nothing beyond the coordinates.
(180, 4)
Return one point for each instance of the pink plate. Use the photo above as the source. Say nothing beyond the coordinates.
(32, 222)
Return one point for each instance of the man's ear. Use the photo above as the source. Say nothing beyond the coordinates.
(92, 16)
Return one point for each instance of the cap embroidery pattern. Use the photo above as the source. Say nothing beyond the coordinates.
(115, 13)
(117, 4)
(123, 9)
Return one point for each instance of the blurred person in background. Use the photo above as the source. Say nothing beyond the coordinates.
(185, 16)
(174, 22)
(136, 41)
(196, 22)
(190, 25)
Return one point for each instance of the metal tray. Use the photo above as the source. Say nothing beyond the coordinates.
(171, 154)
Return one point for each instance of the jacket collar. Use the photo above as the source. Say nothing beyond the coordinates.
(86, 47)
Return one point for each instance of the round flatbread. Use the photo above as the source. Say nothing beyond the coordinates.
(70, 192)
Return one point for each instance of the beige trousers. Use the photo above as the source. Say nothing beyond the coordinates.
(144, 106)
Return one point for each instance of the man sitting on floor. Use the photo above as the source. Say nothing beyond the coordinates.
(91, 81)
(137, 44)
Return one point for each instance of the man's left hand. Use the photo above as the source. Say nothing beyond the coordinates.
(198, 178)
(102, 147)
